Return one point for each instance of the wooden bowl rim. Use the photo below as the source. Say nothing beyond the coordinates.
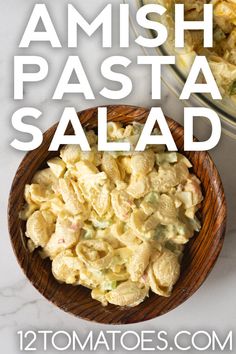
(218, 245)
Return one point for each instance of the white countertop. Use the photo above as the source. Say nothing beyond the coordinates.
(212, 307)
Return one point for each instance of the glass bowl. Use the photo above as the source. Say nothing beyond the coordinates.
(174, 78)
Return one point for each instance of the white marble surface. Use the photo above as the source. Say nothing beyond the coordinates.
(21, 306)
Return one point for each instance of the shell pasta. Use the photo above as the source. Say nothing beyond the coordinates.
(114, 222)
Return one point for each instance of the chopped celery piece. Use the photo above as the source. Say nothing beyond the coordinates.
(110, 285)
(151, 197)
(233, 88)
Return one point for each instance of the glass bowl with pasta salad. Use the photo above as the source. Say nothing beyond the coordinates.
(116, 231)
(222, 57)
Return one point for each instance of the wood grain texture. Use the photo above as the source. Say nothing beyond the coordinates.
(200, 253)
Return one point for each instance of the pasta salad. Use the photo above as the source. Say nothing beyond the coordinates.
(222, 57)
(114, 222)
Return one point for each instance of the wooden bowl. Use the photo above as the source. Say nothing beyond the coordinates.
(200, 253)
